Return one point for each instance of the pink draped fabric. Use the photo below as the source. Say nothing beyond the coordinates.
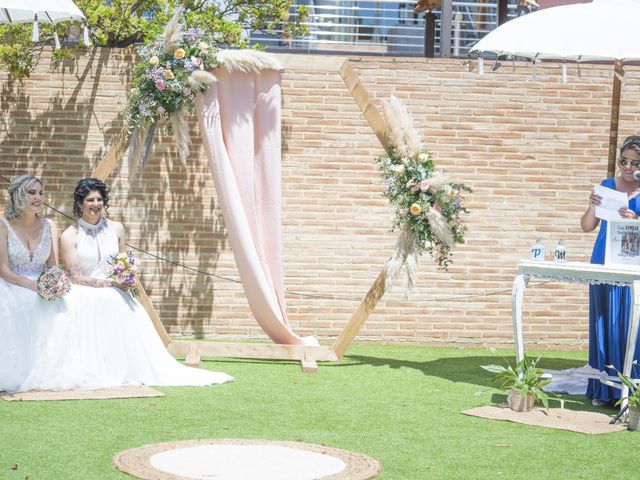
(239, 119)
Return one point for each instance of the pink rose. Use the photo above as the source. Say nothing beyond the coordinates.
(424, 186)
(403, 212)
(160, 84)
(437, 207)
(196, 61)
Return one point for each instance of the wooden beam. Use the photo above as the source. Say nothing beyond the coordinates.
(361, 96)
(264, 351)
(367, 305)
(112, 157)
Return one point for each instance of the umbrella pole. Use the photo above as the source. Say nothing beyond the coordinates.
(615, 114)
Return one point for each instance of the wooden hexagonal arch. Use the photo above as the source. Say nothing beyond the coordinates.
(307, 355)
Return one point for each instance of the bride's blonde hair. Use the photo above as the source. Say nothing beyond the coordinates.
(18, 195)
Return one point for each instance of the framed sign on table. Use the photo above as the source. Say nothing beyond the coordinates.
(623, 243)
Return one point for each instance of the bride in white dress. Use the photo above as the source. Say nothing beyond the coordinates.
(97, 336)
(114, 340)
(28, 245)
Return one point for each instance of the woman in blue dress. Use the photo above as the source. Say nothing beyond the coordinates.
(609, 305)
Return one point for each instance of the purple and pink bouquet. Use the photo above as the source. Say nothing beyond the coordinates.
(53, 284)
(172, 71)
(123, 269)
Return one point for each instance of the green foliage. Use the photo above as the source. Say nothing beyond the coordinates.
(127, 22)
(634, 391)
(525, 377)
(17, 54)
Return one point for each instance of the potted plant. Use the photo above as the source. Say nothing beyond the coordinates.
(633, 399)
(524, 383)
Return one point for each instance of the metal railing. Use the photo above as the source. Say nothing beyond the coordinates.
(382, 27)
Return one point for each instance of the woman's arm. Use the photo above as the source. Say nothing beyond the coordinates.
(589, 221)
(5, 270)
(52, 261)
(72, 263)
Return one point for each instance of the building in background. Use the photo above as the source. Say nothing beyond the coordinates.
(384, 27)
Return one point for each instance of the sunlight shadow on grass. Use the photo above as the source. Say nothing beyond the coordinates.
(457, 369)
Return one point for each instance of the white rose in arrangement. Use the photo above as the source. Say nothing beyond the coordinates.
(423, 157)
(400, 169)
(154, 60)
(415, 209)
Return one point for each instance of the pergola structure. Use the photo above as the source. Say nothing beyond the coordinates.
(307, 355)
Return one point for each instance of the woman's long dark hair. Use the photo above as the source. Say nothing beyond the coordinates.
(84, 188)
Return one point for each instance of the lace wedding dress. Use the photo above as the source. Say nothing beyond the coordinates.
(26, 320)
(102, 337)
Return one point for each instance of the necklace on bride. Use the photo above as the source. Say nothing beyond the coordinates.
(92, 230)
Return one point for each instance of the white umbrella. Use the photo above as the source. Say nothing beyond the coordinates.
(46, 11)
(604, 30)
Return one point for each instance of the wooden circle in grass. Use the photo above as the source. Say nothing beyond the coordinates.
(144, 462)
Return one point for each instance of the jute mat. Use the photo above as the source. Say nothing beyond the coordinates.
(129, 391)
(592, 423)
(219, 458)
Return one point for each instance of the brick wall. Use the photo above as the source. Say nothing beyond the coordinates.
(529, 146)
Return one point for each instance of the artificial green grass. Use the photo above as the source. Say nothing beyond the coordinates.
(399, 404)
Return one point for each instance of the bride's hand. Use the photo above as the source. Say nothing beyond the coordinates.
(125, 287)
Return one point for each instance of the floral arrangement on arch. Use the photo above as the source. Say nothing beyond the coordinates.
(428, 205)
(174, 68)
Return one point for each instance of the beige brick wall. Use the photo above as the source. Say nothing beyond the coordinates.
(530, 147)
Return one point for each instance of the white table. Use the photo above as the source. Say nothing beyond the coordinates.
(577, 272)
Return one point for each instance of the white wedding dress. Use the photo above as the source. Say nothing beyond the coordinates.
(26, 320)
(100, 337)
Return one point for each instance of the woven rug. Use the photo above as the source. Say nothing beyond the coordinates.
(231, 459)
(130, 391)
(592, 423)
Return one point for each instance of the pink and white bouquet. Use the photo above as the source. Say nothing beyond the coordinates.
(123, 269)
(53, 284)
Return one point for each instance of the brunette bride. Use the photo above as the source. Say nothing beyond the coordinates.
(107, 339)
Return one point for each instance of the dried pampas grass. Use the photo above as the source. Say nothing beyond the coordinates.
(200, 79)
(440, 227)
(400, 132)
(173, 33)
(246, 61)
(180, 129)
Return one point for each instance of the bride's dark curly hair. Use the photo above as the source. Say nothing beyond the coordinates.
(84, 188)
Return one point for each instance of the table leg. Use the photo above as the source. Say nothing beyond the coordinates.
(632, 337)
(517, 297)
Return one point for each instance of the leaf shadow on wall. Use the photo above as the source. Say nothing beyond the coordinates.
(51, 142)
(180, 221)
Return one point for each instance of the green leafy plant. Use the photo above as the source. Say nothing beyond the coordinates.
(634, 392)
(124, 23)
(526, 377)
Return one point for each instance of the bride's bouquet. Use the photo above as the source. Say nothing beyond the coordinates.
(53, 283)
(123, 269)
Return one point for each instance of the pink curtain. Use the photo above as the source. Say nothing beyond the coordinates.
(240, 122)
